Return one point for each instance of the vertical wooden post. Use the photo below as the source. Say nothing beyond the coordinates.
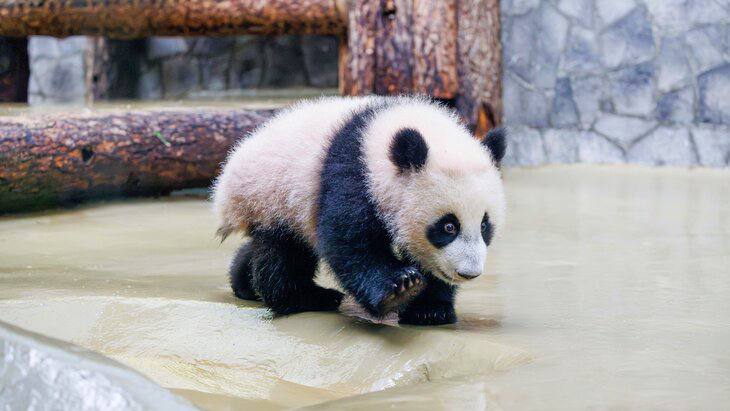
(479, 64)
(97, 64)
(448, 49)
(14, 70)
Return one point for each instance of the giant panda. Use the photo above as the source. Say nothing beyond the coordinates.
(394, 194)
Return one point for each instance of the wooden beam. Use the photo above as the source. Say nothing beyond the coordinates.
(358, 48)
(125, 19)
(60, 159)
(479, 64)
(434, 41)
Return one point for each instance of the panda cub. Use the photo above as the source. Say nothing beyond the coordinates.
(392, 193)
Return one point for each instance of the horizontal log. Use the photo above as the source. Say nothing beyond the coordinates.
(125, 19)
(58, 159)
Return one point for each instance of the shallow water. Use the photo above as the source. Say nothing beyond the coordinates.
(610, 288)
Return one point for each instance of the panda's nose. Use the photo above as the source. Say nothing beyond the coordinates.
(468, 275)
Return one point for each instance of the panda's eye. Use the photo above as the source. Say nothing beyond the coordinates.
(450, 228)
(484, 225)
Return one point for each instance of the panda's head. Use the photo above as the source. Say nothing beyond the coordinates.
(441, 195)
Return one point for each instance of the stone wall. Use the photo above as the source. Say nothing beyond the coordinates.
(175, 67)
(641, 81)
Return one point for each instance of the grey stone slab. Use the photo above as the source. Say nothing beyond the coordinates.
(587, 94)
(609, 11)
(320, 60)
(60, 81)
(54, 48)
(214, 72)
(563, 113)
(632, 89)
(623, 130)
(284, 62)
(673, 68)
(561, 145)
(248, 65)
(676, 106)
(524, 106)
(706, 47)
(524, 147)
(150, 82)
(163, 47)
(533, 44)
(713, 145)
(179, 76)
(629, 40)
(714, 104)
(211, 46)
(668, 146)
(582, 54)
(593, 148)
(670, 16)
(580, 10)
(517, 6)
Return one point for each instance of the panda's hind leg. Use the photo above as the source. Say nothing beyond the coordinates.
(283, 268)
(240, 273)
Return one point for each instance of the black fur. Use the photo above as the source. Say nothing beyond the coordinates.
(408, 150)
(240, 273)
(487, 229)
(433, 306)
(496, 143)
(438, 236)
(352, 237)
(282, 268)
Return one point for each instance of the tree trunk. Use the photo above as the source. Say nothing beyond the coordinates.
(479, 64)
(63, 159)
(447, 49)
(142, 18)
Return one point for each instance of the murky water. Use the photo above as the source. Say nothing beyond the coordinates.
(610, 289)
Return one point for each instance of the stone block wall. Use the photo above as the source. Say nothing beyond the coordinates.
(177, 67)
(610, 81)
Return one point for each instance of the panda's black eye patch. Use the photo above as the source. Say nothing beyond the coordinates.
(487, 229)
(443, 231)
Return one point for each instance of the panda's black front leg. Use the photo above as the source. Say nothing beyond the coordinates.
(433, 306)
(381, 284)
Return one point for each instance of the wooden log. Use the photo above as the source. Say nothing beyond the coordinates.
(63, 159)
(479, 64)
(142, 18)
(394, 47)
(434, 42)
(14, 70)
(357, 48)
(401, 47)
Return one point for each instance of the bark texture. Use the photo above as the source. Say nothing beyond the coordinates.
(479, 64)
(142, 18)
(66, 159)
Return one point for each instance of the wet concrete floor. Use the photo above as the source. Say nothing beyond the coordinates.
(609, 289)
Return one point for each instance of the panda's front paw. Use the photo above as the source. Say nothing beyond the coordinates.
(407, 284)
(428, 314)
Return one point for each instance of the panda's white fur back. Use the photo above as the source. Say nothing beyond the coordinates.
(274, 175)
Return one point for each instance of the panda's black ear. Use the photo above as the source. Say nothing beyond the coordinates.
(408, 151)
(496, 142)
